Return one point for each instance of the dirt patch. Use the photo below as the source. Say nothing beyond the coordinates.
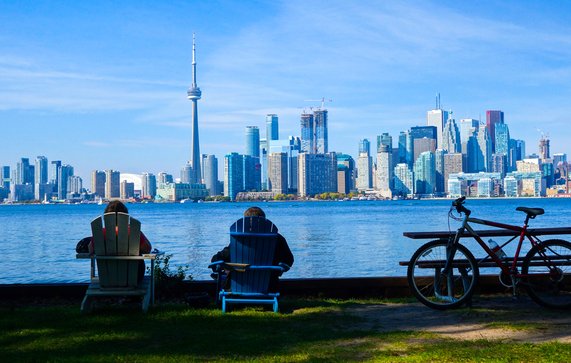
(491, 318)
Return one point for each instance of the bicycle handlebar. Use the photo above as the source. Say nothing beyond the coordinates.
(459, 205)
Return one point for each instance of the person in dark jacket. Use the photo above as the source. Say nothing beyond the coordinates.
(282, 253)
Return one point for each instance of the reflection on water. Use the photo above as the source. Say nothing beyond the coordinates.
(328, 239)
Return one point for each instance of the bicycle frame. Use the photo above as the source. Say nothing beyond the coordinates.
(508, 269)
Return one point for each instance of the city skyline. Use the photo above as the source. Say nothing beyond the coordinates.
(100, 80)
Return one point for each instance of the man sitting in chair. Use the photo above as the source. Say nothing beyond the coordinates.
(282, 253)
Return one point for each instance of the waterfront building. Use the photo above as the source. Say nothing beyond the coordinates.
(163, 178)
(194, 94)
(176, 192)
(233, 175)
(210, 174)
(548, 172)
(127, 190)
(149, 185)
(451, 137)
(453, 164)
(364, 172)
(493, 118)
(474, 184)
(401, 158)
(317, 173)
(21, 192)
(41, 187)
(112, 184)
(252, 173)
(529, 184)
(345, 173)
(5, 177)
(278, 176)
(252, 141)
(98, 183)
(321, 136)
(437, 118)
(75, 187)
(55, 166)
(403, 181)
(24, 172)
(64, 175)
(384, 174)
(424, 174)
(291, 146)
(186, 174)
(439, 170)
(264, 162)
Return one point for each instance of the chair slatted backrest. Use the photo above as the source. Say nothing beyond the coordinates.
(252, 241)
(121, 237)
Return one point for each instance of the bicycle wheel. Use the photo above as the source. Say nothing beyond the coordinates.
(548, 270)
(434, 289)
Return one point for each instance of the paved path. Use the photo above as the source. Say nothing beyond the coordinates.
(489, 318)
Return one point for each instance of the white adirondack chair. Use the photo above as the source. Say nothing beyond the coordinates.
(116, 253)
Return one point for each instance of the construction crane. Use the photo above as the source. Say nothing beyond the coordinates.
(322, 100)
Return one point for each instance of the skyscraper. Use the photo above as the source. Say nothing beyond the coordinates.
(252, 141)
(364, 166)
(451, 137)
(194, 95)
(98, 183)
(272, 129)
(403, 181)
(41, 170)
(277, 172)
(64, 181)
(424, 173)
(210, 173)
(384, 176)
(314, 137)
(544, 148)
(233, 175)
(112, 184)
(149, 186)
(437, 118)
(493, 118)
(317, 173)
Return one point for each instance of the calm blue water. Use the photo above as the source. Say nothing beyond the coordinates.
(328, 239)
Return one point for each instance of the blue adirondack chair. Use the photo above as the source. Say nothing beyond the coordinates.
(252, 245)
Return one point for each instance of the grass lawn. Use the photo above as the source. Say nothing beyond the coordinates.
(306, 330)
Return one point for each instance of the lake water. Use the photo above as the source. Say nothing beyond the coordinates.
(328, 239)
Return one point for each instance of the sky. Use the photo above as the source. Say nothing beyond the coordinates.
(102, 84)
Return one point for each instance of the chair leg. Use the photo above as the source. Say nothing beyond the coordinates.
(223, 304)
(145, 302)
(86, 304)
(275, 304)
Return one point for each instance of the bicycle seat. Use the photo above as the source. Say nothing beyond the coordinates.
(531, 212)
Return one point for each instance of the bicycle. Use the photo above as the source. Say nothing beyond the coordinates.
(444, 273)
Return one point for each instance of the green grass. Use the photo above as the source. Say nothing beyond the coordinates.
(307, 330)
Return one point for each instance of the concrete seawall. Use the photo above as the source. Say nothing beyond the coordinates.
(362, 287)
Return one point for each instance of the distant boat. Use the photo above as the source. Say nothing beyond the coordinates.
(99, 200)
(187, 200)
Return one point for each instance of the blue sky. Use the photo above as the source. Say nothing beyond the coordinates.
(102, 85)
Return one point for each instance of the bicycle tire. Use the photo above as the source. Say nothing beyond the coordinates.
(549, 286)
(451, 291)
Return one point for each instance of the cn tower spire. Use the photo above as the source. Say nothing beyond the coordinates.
(194, 95)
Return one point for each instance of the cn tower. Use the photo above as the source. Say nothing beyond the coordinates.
(194, 94)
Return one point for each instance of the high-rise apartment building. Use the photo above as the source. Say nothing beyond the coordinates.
(164, 178)
(252, 173)
(317, 173)
(252, 141)
(291, 146)
(502, 139)
(453, 164)
(55, 166)
(422, 145)
(112, 184)
(41, 178)
(5, 177)
(65, 172)
(98, 183)
(345, 173)
(277, 173)
(233, 175)
(149, 186)
(24, 172)
(210, 173)
(127, 190)
(544, 148)
(403, 181)
(424, 173)
(484, 153)
(385, 139)
(439, 171)
(75, 186)
(468, 128)
(384, 175)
